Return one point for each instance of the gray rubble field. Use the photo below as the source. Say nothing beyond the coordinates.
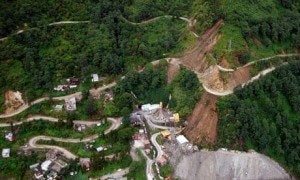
(225, 165)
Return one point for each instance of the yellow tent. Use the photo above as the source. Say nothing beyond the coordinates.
(165, 133)
(176, 117)
(161, 105)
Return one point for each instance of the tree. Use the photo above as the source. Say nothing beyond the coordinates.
(91, 107)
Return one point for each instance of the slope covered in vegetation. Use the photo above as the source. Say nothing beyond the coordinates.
(255, 29)
(264, 116)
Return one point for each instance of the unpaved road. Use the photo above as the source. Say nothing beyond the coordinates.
(149, 162)
(156, 145)
(272, 57)
(116, 175)
(226, 165)
(51, 24)
(32, 143)
(190, 23)
(78, 95)
(48, 118)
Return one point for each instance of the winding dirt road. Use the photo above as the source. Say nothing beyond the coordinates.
(32, 143)
(51, 24)
(78, 95)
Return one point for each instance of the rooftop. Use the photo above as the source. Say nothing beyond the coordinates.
(181, 139)
(95, 77)
(5, 152)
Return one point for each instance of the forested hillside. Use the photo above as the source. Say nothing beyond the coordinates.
(255, 29)
(264, 116)
(150, 86)
(22, 14)
(35, 61)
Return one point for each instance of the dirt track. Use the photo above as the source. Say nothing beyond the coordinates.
(202, 124)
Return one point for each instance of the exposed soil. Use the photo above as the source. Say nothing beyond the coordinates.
(173, 69)
(258, 43)
(224, 63)
(227, 165)
(194, 59)
(239, 76)
(202, 124)
(13, 100)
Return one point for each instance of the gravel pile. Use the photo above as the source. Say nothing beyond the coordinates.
(213, 165)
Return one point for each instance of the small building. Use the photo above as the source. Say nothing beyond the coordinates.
(5, 153)
(138, 144)
(80, 127)
(147, 151)
(101, 148)
(95, 77)
(61, 87)
(34, 166)
(110, 157)
(38, 175)
(147, 144)
(166, 133)
(162, 161)
(73, 81)
(176, 117)
(135, 119)
(72, 86)
(61, 163)
(85, 163)
(59, 107)
(181, 139)
(9, 136)
(141, 131)
(150, 107)
(55, 168)
(108, 96)
(45, 165)
(52, 175)
(70, 104)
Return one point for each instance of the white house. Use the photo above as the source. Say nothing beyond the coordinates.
(181, 139)
(95, 77)
(5, 152)
(70, 104)
(45, 165)
(150, 107)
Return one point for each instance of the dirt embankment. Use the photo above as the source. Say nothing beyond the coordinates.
(229, 165)
(195, 59)
(202, 124)
(13, 100)
(173, 69)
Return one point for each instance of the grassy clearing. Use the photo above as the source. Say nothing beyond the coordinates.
(229, 33)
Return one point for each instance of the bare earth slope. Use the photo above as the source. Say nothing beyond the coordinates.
(202, 124)
(228, 166)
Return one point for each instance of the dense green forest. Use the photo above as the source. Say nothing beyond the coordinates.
(150, 86)
(255, 29)
(264, 116)
(38, 59)
(23, 14)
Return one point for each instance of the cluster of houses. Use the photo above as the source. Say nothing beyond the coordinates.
(50, 168)
(70, 105)
(140, 140)
(70, 84)
(180, 142)
(74, 82)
